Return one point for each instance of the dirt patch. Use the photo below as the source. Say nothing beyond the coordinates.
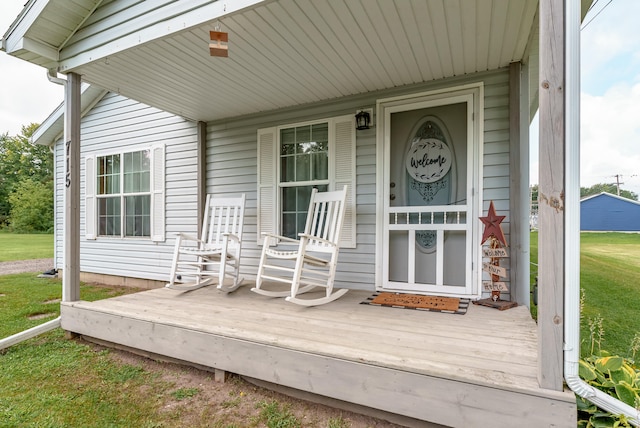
(42, 316)
(49, 302)
(196, 399)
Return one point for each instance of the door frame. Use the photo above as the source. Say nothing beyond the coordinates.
(473, 94)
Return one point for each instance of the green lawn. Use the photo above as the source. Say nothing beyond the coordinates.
(610, 283)
(18, 246)
(48, 381)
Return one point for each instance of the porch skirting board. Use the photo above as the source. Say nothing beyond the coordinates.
(158, 326)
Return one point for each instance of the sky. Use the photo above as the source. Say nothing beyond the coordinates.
(610, 93)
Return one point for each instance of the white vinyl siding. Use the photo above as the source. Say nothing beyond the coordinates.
(118, 124)
(496, 153)
(232, 166)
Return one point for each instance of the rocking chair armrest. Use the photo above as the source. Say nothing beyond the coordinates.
(188, 237)
(231, 236)
(316, 238)
(268, 235)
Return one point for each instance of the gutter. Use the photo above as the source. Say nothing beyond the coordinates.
(28, 334)
(572, 227)
(52, 75)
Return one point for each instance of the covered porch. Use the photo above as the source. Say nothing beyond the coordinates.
(449, 369)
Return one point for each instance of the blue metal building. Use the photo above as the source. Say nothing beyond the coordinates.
(607, 212)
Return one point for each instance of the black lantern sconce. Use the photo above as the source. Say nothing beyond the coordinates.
(363, 120)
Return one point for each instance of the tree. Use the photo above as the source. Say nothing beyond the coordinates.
(31, 207)
(20, 160)
(609, 188)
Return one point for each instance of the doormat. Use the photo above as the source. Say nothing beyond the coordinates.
(449, 305)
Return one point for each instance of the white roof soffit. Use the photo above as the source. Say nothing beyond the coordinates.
(287, 53)
(284, 53)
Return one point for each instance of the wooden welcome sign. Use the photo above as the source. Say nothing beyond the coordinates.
(494, 253)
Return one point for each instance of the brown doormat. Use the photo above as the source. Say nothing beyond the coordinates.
(451, 305)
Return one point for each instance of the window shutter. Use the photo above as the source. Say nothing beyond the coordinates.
(267, 158)
(90, 220)
(345, 173)
(157, 193)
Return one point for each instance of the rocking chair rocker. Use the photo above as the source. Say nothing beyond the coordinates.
(218, 248)
(315, 257)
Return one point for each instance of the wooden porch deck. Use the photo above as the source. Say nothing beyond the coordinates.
(477, 369)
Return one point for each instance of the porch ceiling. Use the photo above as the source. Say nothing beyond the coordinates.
(287, 53)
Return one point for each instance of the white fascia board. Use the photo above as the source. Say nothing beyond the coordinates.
(133, 37)
(19, 27)
(38, 48)
(50, 128)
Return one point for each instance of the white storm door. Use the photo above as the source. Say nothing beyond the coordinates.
(431, 168)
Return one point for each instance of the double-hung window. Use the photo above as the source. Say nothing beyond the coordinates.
(294, 159)
(304, 164)
(125, 194)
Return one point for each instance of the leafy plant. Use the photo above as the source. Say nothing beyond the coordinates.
(617, 377)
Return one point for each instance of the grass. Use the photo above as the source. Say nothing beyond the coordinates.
(610, 283)
(18, 246)
(48, 381)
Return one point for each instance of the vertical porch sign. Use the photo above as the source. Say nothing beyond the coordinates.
(496, 251)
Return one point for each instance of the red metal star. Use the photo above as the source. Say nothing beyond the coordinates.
(492, 226)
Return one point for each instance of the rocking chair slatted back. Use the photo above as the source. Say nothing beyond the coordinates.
(197, 262)
(222, 215)
(324, 220)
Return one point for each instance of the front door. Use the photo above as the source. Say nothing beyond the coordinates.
(430, 203)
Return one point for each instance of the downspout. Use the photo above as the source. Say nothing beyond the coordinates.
(55, 323)
(572, 226)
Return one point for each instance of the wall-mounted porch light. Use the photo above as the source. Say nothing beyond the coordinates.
(363, 119)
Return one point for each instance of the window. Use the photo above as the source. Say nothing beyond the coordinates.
(124, 194)
(292, 160)
(304, 164)
(128, 194)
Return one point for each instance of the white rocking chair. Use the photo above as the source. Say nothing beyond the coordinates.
(218, 248)
(315, 254)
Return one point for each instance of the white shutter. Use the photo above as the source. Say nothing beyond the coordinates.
(157, 193)
(267, 184)
(90, 220)
(344, 169)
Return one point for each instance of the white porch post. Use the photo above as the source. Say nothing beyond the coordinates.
(71, 272)
(551, 205)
